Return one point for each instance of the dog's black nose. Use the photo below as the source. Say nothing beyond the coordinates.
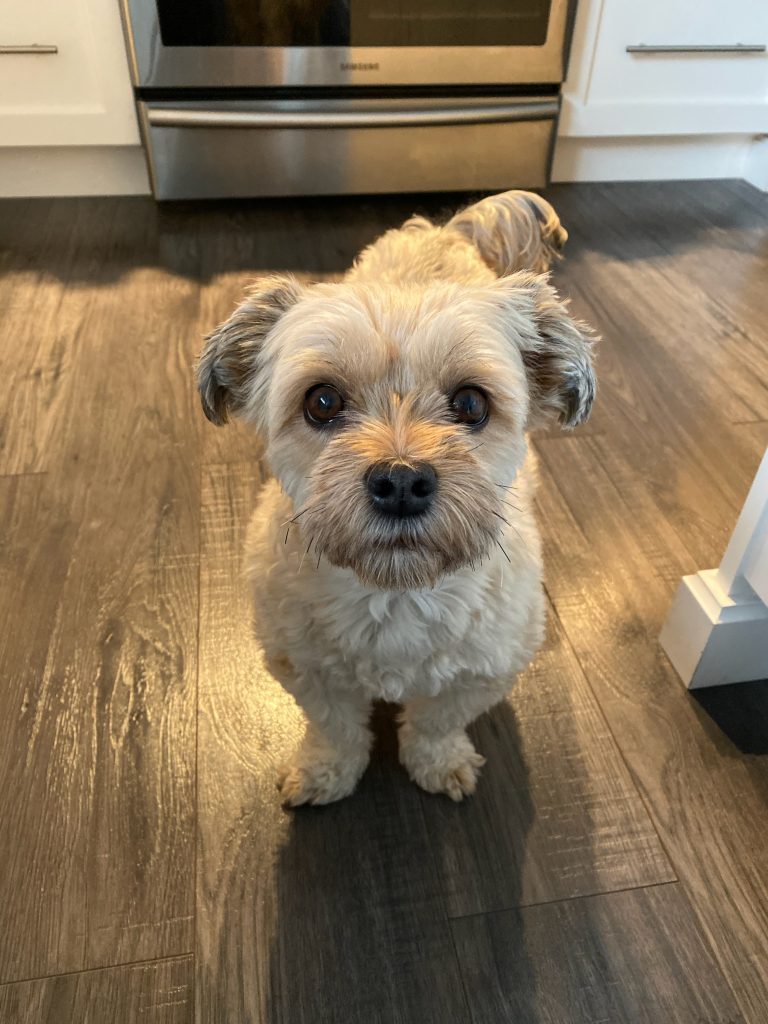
(400, 490)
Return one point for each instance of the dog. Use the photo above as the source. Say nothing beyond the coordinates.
(394, 553)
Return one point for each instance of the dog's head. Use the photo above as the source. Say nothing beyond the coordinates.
(395, 417)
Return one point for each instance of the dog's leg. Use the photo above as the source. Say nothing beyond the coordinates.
(434, 746)
(335, 749)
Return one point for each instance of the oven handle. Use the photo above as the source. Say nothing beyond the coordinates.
(166, 117)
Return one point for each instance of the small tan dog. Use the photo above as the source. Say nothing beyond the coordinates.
(394, 554)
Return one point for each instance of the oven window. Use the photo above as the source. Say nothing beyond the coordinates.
(353, 22)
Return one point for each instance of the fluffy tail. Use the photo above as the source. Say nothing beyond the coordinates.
(513, 231)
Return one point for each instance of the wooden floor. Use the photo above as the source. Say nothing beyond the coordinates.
(613, 866)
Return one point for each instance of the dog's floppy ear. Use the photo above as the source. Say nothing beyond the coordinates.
(231, 363)
(556, 349)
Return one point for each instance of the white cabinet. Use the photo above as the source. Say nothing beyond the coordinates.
(611, 91)
(79, 95)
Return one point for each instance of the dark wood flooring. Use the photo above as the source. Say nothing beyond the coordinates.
(613, 865)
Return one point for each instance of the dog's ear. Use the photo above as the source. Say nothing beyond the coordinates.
(556, 350)
(233, 360)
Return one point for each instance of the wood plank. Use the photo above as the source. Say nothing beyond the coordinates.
(556, 814)
(706, 800)
(40, 316)
(662, 406)
(98, 723)
(670, 526)
(635, 957)
(712, 251)
(159, 992)
(331, 914)
(700, 330)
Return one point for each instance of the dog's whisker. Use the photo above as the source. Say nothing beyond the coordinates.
(308, 508)
(501, 548)
(301, 560)
(520, 536)
(497, 514)
(509, 503)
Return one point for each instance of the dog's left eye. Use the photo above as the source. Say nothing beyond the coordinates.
(470, 406)
(322, 404)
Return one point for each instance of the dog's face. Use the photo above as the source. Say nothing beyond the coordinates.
(395, 418)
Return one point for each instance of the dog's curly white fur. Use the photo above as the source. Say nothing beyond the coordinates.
(439, 610)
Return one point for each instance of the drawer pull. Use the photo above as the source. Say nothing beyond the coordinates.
(200, 118)
(35, 48)
(704, 48)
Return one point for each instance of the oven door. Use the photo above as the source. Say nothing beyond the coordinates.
(209, 44)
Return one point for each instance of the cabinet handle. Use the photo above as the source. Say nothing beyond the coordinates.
(704, 48)
(29, 48)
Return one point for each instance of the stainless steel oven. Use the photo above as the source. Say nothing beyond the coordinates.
(278, 97)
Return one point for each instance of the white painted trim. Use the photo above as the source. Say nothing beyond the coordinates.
(662, 118)
(650, 159)
(746, 557)
(712, 639)
(586, 30)
(717, 629)
(756, 163)
(73, 171)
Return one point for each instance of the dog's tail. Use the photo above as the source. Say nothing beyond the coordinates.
(513, 231)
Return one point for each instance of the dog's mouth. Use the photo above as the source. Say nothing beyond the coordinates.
(412, 554)
(409, 533)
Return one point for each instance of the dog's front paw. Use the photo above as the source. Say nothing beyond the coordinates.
(318, 781)
(445, 764)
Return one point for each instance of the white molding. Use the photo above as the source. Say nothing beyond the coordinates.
(650, 159)
(73, 171)
(586, 30)
(746, 557)
(717, 629)
(662, 118)
(712, 638)
(756, 163)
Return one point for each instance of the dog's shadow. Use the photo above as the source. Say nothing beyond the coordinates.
(375, 896)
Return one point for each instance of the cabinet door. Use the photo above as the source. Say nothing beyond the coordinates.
(75, 89)
(613, 91)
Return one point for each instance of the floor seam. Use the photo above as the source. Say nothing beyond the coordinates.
(565, 899)
(611, 733)
(96, 970)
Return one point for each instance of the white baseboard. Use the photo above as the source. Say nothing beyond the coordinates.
(121, 170)
(73, 171)
(711, 639)
(756, 163)
(666, 158)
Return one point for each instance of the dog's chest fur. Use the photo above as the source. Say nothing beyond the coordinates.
(478, 622)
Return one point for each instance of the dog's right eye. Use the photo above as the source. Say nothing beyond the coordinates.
(322, 405)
